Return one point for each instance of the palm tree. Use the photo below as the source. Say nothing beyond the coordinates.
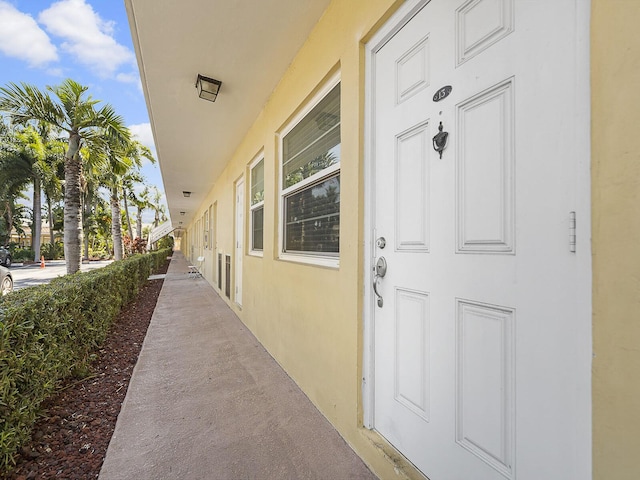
(129, 182)
(74, 112)
(94, 166)
(53, 173)
(22, 162)
(12, 213)
(123, 159)
(12, 183)
(28, 157)
(158, 208)
(142, 202)
(134, 152)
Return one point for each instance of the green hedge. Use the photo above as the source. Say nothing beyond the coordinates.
(48, 332)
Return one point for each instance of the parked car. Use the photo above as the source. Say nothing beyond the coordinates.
(5, 257)
(6, 281)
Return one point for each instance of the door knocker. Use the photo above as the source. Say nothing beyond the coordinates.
(440, 140)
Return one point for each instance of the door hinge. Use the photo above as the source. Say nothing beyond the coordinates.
(572, 232)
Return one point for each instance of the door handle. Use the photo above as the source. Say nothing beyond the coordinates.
(376, 277)
(381, 271)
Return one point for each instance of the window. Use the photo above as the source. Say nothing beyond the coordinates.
(257, 205)
(311, 181)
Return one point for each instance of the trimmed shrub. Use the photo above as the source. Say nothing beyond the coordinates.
(47, 333)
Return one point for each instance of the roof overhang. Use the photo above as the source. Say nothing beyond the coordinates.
(246, 44)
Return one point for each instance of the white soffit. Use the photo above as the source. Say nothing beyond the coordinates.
(246, 44)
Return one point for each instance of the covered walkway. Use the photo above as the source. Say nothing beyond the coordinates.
(206, 401)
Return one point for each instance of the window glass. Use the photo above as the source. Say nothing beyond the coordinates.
(257, 183)
(314, 143)
(257, 206)
(311, 181)
(257, 228)
(313, 218)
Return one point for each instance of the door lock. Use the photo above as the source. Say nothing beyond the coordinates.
(381, 271)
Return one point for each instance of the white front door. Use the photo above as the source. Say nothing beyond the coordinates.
(482, 339)
(239, 238)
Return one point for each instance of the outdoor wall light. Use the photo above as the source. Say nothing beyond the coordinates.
(182, 213)
(186, 194)
(208, 88)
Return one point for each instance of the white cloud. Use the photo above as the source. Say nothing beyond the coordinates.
(22, 38)
(86, 36)
(143, 133)
(128, 78)
(56, 72)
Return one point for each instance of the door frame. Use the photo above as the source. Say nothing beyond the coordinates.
(582, 144)
(239, 235)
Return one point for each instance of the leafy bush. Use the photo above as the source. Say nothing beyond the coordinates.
(47, 333)
(166, 242)
(138, 245)
(98, 253)
(52, 251)
(21, 254)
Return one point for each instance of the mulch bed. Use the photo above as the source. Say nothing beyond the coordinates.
(70, 440)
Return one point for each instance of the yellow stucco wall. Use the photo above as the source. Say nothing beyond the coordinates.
(300, 311)
(615, 84)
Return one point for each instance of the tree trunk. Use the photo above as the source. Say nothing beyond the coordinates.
(86, 214)
(52, 237)
(116, 224)
(139, 223)
(72, 207)
(127, 216)
(36, 232)
(9, 219)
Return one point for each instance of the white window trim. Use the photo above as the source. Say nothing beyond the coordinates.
(256, 253)
(306, 258)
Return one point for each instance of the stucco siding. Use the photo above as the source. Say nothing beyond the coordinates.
(310, 318)
(615, 81)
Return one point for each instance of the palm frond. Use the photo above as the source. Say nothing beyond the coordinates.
(76, 106)
(26, 102)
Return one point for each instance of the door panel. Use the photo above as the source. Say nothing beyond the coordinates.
(472, 341)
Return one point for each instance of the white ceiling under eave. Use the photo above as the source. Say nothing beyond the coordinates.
(246, 44)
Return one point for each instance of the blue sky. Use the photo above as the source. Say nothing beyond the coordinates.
(42, 42)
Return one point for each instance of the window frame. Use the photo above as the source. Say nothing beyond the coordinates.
(254, 163)
(313, 258)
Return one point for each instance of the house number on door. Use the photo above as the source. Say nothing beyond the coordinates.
(442, 93)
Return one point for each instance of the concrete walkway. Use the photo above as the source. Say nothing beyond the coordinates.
(206, 401)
